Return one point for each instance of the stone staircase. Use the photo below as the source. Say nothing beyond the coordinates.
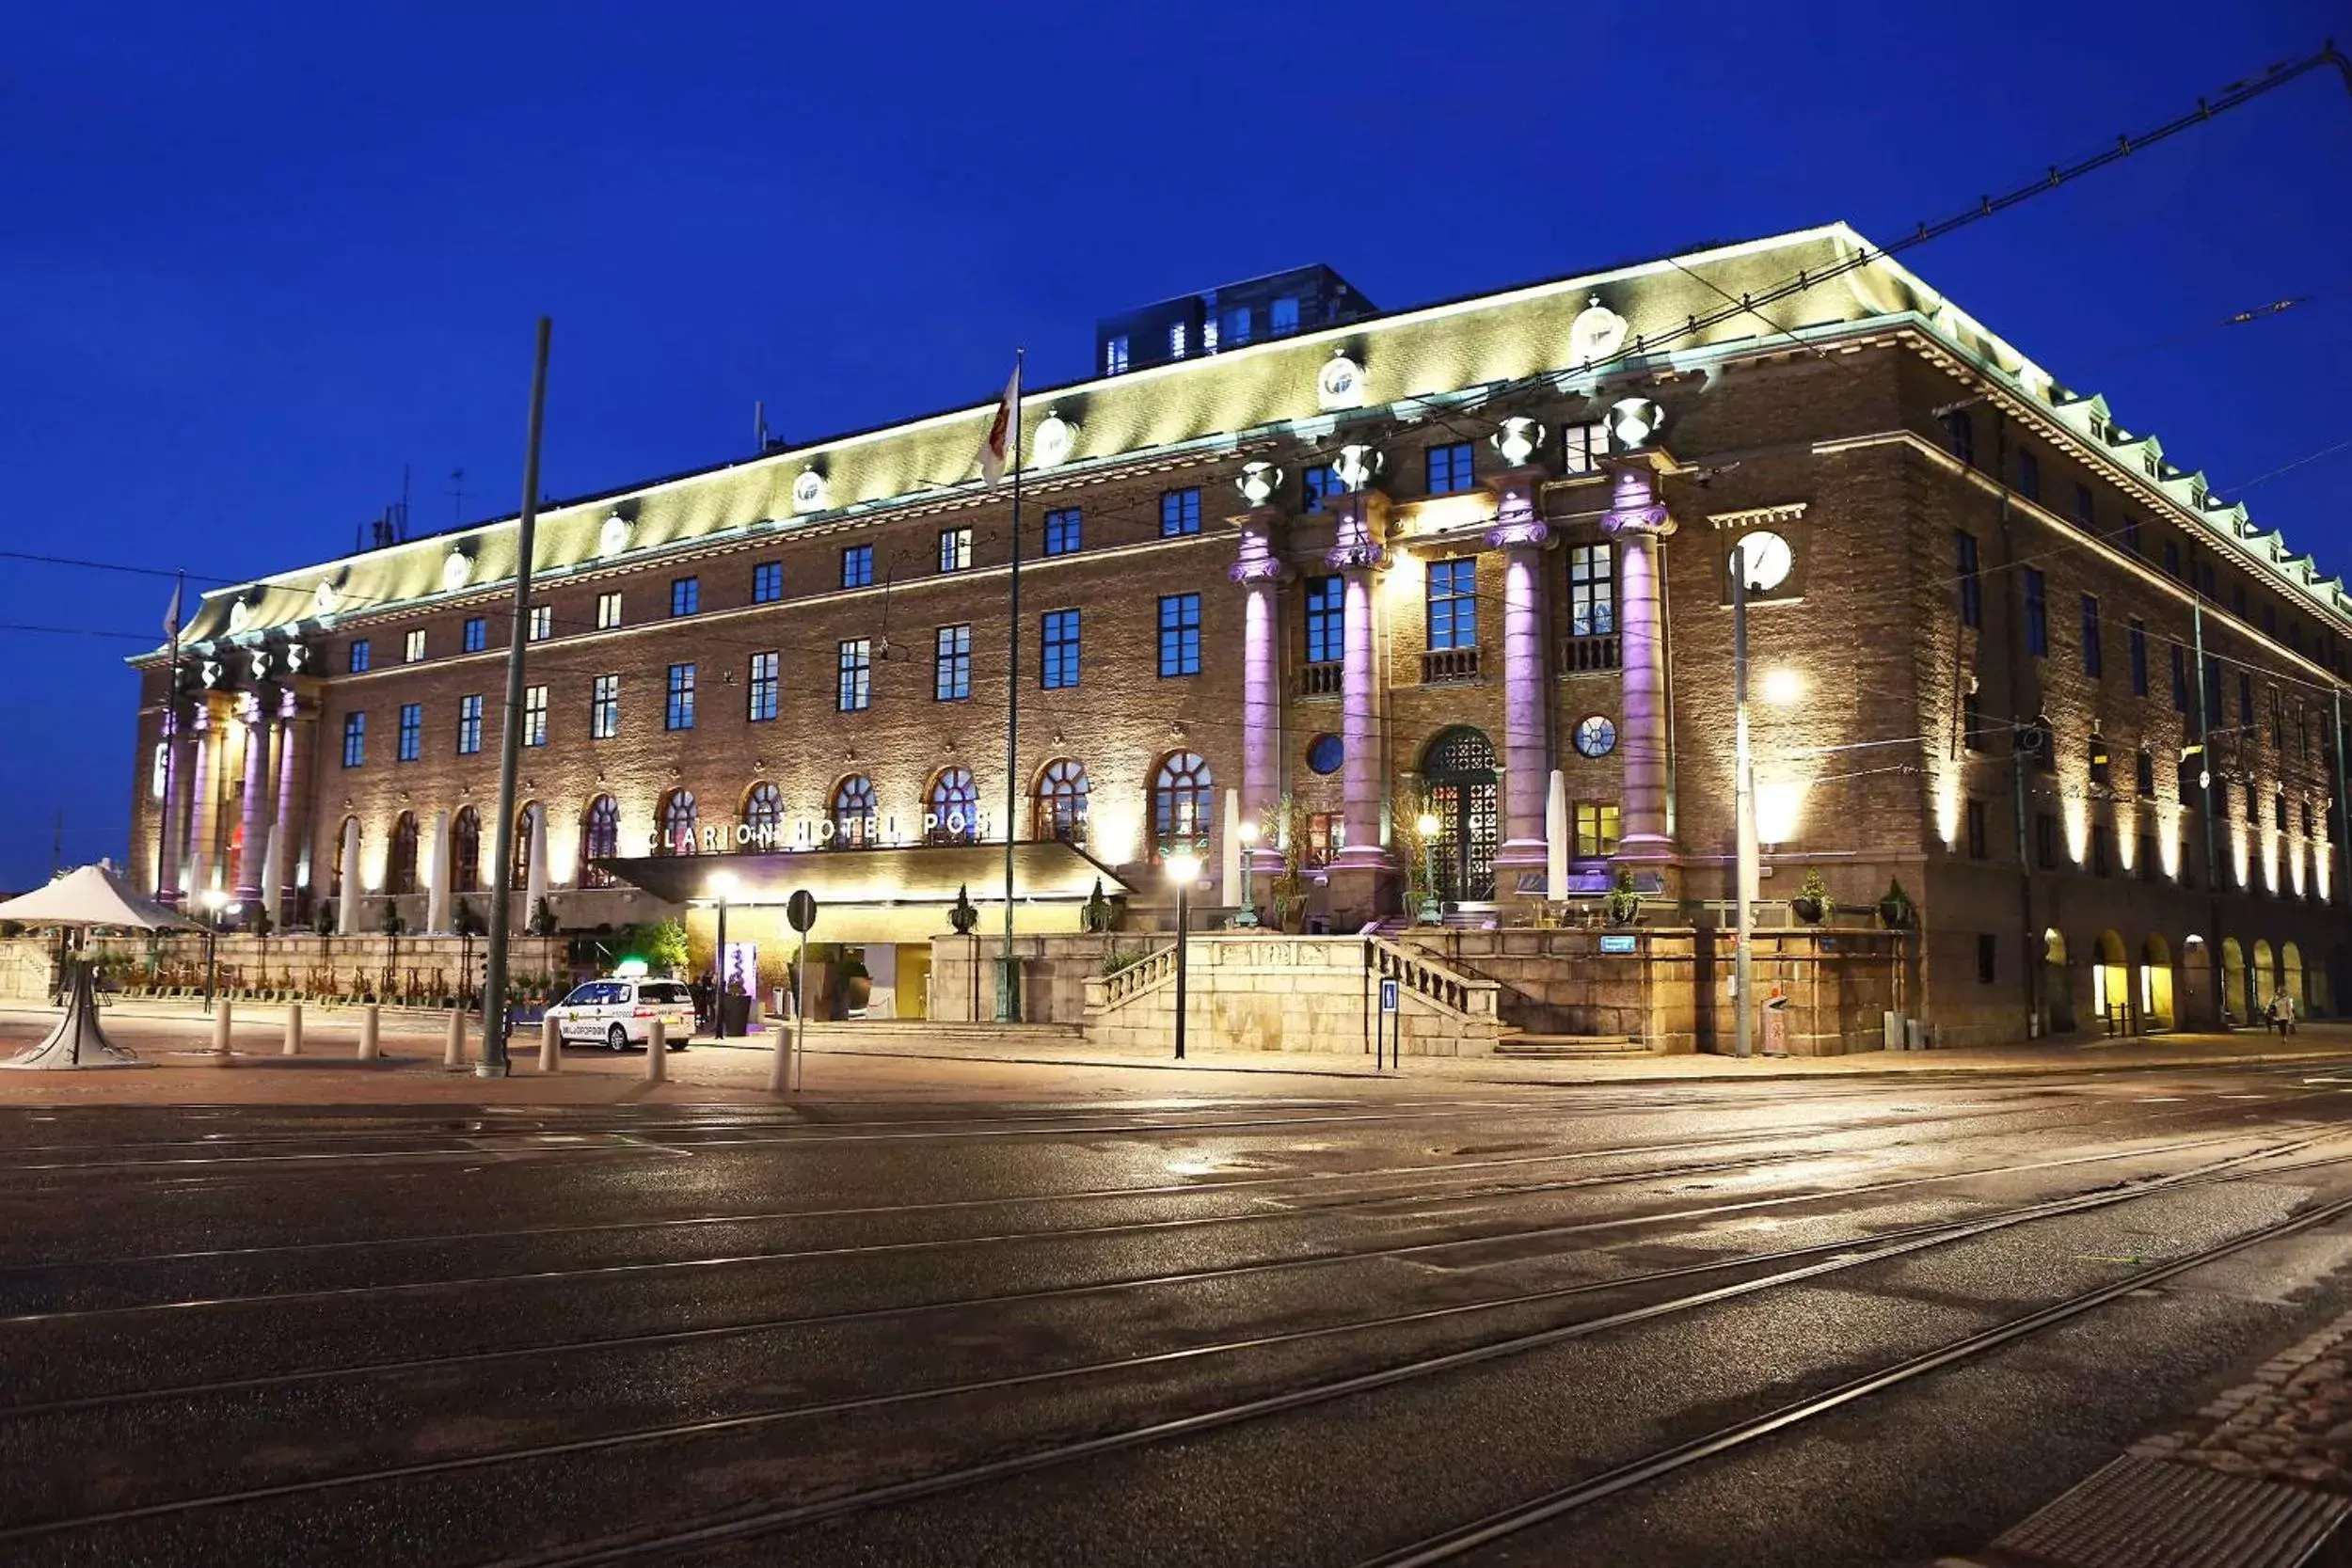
(1520, 1043)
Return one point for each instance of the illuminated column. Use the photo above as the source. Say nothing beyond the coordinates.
(171, 849)
(347, 901)
(1637, 523)
(1519, 532)
(438, 879)
(1359, 872)
(296, 731)
(1259, 569)
(202, 737)
(260, 797)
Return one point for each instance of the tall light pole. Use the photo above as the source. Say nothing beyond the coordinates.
(1743, 763)
(212, 900)
(722, 884)
(1183, 869)
(1248, 836)
(1432, 911)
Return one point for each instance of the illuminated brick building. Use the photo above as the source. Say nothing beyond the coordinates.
(1356, 559)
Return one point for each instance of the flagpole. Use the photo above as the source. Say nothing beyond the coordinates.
(171, 744)
(1008, 987)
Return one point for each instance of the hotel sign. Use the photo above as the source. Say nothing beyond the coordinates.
(871, 830)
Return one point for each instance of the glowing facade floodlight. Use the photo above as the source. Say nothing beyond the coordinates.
(723, 885)
(1783, 687)
(1184, 868)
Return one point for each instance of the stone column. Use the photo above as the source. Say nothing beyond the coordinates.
(203, 736)
(438, 879)
(1637, 521)
(347, 901)
(172, 838)
(291, 723)
(1521, 533)
(536, 865)
(258, 794)
(1361, 873)
(1260, 570)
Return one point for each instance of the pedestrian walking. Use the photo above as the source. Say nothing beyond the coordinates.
(705, 994)
(2287, 1012)
(2272, 1019)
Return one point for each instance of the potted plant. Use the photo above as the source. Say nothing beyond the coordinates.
(1812, 903)
(392, 925)
(857, 985)
(963, 916)
(323, 919)
(1896, 911)
(1623, 901)
(543, 918)
(1095, 914)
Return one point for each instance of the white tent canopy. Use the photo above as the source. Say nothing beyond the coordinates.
(92, 896)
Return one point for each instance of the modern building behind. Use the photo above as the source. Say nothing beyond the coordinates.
(2009, 653)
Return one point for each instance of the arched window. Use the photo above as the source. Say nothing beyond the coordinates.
(763, 813)
(853, 810)
(1058, 807)
(518, 875)
(678, 822)
(599, 839)
(464, 850)
(1181, 794)
(952, 806)
(399, 867)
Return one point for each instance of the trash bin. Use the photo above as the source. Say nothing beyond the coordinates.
(1775, 1031)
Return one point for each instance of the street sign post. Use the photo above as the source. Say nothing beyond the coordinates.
(799, 912)
(1391, 1024)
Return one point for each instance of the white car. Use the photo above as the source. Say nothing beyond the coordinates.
(619, 1014)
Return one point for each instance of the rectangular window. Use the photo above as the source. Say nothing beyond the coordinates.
(609, 611)
(2037, 614)
(951, 664)
(416, 646)
(469, 725)
(1065, 530)
(2246, 701)
(853, 692)
(1971, 584)
(604, 708)
(762, 705)
(1454, 603)
(768, 582)
(1327, 620)
(2270, 621)
(955, 549)
(1583, 447)
(2280, 801)
(2172, 561)
(2144, 774)
(1988, 957)
(2140, 657)
(2180, 678)
(1450, 468)
(1959, 435)
(535, 716)
(1176, 340)
(2045, 841)
(355, 739)
(1591, 591)
(685, 596)
(1596, 829)
(2131, 536)
(2102, 851)
(1318, 484)
(2083, 515)
(1326, 835)
(1057, 664)
(1180, 512)
(1978, 847)
(1971, 722)
(1283, 316)
(2278, 722)
(677, 713)
(411, 730)
(2253, 806)
(542, 624)
(2029, 476)
(2101, 760)
(1180, 635)
(359, 656)
(2095, 657)
(1115, 356)
(477, 634)
(1236, 322)
(857, 567)
(2237, 600)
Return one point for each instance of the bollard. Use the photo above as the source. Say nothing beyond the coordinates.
(453, 1054)
(293, 1029)
(780, 1062)
(220, 1029)
(551, 1046)
(657, 1053)
(368, 1033)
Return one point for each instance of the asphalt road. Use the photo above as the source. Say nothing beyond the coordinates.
(1292, 1329)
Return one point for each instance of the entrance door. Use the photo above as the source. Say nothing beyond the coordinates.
(1458, 771)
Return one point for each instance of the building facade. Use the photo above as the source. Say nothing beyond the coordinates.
(1472, 560)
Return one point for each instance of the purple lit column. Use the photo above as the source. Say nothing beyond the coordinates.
(173, 837)
(203, 736)
(1259, 569)
(1359, 870)
(259, 795)
(1519, 532)
(1639, 524)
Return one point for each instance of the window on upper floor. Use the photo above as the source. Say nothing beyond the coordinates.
(768, 582)
(2173, 562)
(1970, 582)
(2131, 536)
(415, 650)
(854, 691)
(1449, 468)
(604, 708)
(476, 635)
(1115, 356)
(2245, 702)
(955, 549)
(2029, 476)
(1971, 722)
(1180, 512)
(677, 713)
(1977, 840)
(1596, 829)
(1317, 486)
(1176, 344)
(1065, 530)
(412, 732)
(1282, 317)
(469, 725)
(951, 664)
(1583, 447)
(1326, 618)
(2279, 804)
(355, 739)
(1452, 600)
(1591, 591)
(2140, 657)
(1235, 323)
(1058, 652)
(2045, 841)
(1180, 635)
(359, 653)
(2094, 658)
(2237, 601)
(535, 716)
(609, 611)
(2037, 614)
(2180, 679)
(541, 624)
(2144, 772)
(1988, 958)
(857, 567)
(685, 596)
(2083, 515)
(2101, 760)
(765, 684)
(1960, 435)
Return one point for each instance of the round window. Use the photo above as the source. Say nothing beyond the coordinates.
(1325, 754)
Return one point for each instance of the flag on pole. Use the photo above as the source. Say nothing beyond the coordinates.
(171, 616)
(999, 442)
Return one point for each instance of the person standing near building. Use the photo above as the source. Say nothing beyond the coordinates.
(2284, 1002)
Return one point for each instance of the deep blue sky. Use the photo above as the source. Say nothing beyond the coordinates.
(251, 262)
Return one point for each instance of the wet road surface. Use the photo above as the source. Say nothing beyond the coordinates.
(1799, 1323)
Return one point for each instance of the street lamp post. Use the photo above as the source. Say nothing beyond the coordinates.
(1183, 869)
(722, 884)
(1248, 913)
(215, 906)
(1432, 911)
(1745, 875)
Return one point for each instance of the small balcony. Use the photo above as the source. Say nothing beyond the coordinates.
(1324, 680)
(1447, 666)
(1583, 656)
